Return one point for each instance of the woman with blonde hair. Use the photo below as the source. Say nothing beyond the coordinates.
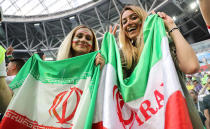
(131, 39)
(132, 19)
(81, 40)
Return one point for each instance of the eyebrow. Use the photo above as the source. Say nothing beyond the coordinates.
(86, 32)
(131, 15)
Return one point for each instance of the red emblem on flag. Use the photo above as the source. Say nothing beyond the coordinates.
(120, 103)
(74, 93)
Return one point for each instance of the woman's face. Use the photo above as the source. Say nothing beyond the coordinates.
(131, 24)
(82, 41)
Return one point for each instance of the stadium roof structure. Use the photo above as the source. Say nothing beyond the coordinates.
(46, 27)
(38, 7)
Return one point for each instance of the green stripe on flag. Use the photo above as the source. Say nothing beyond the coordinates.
(94, 93)
(134, 87)
(56, 72)
(2, 54)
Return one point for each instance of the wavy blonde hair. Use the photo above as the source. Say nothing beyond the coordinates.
(65, 50)
(131, 53)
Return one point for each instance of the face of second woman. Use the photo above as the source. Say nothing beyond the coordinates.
(131, 24)
(82, 41)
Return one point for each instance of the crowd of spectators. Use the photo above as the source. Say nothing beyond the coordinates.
(198, 86)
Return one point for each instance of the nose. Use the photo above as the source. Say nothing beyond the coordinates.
(128, 22)
(83, 39)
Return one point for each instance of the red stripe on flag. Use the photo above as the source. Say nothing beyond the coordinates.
(98, 125)
(14, 120)
(208, 26)
(176, 115)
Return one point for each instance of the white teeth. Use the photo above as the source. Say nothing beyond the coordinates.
(131, 29)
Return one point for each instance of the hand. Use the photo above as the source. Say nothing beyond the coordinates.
(168, 21)
(99, 60)
(10, 50)
(113, 31)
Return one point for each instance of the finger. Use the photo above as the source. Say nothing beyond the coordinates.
(110, 29)
(96, 62)
(115, 29)
(153, 12)
(160, 14)
(98, 54)
(99, 61)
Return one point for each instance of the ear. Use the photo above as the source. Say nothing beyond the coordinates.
(14, 66)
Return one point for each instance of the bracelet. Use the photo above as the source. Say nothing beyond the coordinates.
(173, 30)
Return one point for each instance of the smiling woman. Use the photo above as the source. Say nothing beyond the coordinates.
(81, 40)
(77, 42)
(131, 39)
(130, 28)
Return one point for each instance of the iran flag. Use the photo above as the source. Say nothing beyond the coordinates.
(152, 97)
(54, 94)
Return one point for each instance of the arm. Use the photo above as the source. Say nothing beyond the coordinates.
(188, 62)
(207, 122)
(205, 10)
(5, 95)
(187, 59)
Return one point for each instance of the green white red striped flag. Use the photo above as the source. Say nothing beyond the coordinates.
(54, 94)
(151, 98)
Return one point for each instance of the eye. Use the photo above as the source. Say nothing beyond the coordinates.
(80, 35)
(134, 17)
(124, 21)
(88, 37)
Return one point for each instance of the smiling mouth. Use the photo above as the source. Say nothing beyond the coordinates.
(82, 45)
(131, 29)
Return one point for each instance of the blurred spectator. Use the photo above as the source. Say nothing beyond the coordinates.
(13, 68)
(206, 103)
(200, 107)
(197, 86)
(205, 90)
(189, 85)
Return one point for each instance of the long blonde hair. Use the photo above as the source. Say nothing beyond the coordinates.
(65, 51)
(131, 53)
